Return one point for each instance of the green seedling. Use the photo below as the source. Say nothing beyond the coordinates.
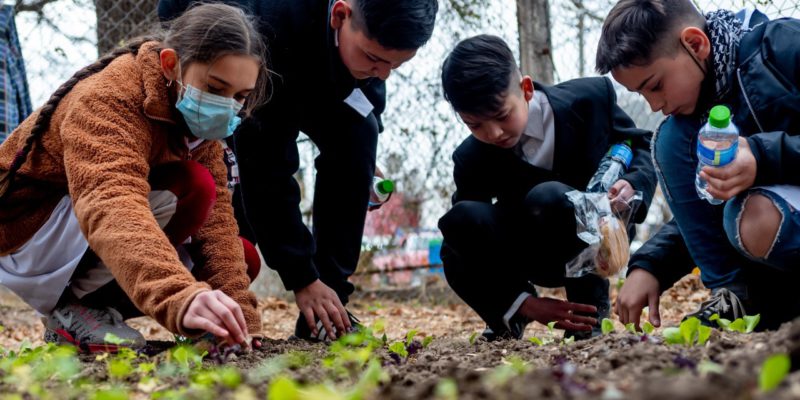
(110, 394)
(511, 367)
(399, 348)
(607, 326)
(410, 336)
(186, 357)
(708, 367)
(283, 388)
(630, 327)
(227, 376)
(446, 389)
(274, 366)
(648, 328)
(473, 337)
(551, 326)
(689, 333)
(568, 340)
(536, 341)
(427, 341)
(742, 325)
(379, 326)
(773, 371)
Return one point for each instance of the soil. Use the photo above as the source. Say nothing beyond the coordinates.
(616, 366)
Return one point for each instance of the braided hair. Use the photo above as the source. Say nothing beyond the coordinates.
(204, 33)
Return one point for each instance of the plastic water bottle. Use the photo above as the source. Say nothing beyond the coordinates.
(381, 190)
(611, 167)
(717, 144)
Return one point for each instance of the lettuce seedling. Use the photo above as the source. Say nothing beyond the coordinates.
(607, 326)
(473, 337)
(446, 389)
(399, 348)
(773, 371)
(689, 333)
(648, 328)
(742, 325)
(510, 367)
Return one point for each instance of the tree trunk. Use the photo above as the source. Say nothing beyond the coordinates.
(118, 20)
(535, 48)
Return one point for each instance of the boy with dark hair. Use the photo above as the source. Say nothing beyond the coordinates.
(330, 59)
(683, 64)
(530, 145)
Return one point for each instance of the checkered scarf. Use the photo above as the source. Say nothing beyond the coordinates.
(725, 31)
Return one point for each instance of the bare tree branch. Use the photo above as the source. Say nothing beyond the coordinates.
(31, 6)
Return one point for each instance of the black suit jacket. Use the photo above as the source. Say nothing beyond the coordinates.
(587, 122)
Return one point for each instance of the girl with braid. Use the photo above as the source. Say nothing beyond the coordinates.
(118, 181)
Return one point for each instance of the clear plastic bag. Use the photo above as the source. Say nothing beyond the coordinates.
(603, 227)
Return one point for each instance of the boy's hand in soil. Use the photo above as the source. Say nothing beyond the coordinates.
(639, 290)
(218, 314)
(734, 178)
(545, 310)
(320, 300)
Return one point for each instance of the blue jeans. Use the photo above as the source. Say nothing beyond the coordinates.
(784, 253)
(700, 223)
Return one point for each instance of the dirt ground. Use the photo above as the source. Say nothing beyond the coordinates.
(616, 366)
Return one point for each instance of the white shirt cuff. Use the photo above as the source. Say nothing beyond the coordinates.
(514, 307)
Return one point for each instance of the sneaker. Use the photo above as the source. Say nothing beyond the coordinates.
(515, 330)
(86, 328)
(724, 303)
(301, 330)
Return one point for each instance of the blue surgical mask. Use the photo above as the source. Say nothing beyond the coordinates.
(208, 116)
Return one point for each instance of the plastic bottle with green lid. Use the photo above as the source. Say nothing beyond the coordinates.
(380, 191)
(717, 144)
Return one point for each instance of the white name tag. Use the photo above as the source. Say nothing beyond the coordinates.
(359, 102)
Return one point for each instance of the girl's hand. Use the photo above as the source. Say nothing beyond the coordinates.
(218, 314)
(734, 178)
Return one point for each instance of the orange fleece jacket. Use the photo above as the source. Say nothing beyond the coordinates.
(104, 137)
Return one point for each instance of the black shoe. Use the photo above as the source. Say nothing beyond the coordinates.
(515, 330)
(301, 330)
(723, 302)
(592, 290)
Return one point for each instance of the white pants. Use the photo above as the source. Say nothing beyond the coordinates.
(40, 270)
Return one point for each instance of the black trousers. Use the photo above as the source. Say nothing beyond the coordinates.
(268, 158)
(492, 254)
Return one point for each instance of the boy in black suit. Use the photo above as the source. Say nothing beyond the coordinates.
(511, 225)
(330, 59)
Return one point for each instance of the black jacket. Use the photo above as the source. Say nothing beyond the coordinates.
(765, 103)
(587, 122)
(309, 80)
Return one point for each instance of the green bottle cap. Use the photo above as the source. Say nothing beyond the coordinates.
(385, 186)
(719, 117)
